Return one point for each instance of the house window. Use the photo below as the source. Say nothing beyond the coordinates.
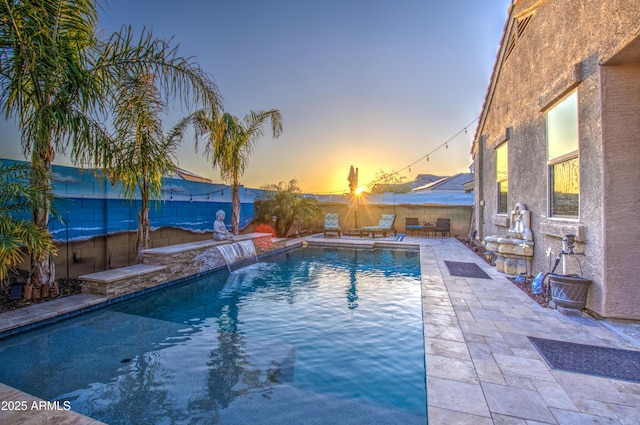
(562, 158)
(502, 177)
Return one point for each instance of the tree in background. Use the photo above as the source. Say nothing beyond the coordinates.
(230, 144)
(57, 79)
(140, 154)
(388, 182)
(286, 202)
(17, 232)
(43, 51)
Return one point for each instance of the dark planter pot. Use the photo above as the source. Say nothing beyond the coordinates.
(569, 291)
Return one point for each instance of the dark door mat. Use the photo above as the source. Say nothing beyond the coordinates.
(457, 268)
(590, 359)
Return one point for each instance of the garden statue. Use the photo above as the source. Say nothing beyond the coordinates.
(220, 232)
(520, 223)
(513, 253)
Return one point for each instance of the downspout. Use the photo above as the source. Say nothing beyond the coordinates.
(479, 170)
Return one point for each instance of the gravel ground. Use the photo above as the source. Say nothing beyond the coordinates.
(525, 287)
(66, 287)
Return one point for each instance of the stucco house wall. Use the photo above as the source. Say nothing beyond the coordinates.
(550, 48)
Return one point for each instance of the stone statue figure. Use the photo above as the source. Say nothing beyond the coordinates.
(512, 254)
(520, 223)
(220, 232)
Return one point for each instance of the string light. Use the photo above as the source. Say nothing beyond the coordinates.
(445, 144)
(408, 167)
(207, 194)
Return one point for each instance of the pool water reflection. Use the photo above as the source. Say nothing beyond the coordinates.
(309, 335)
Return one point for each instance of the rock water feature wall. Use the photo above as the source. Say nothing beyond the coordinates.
(170, 263)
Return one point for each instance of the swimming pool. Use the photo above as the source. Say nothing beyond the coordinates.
(314, 335)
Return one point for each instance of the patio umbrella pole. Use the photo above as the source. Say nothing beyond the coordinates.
(353, 185)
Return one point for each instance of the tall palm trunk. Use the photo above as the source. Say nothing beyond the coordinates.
(287, 228)
(235, 206)
(143, 226)
(42, 268)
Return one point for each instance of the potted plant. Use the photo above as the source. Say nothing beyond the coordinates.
(28, 291)
(568, 291)
(53, 290)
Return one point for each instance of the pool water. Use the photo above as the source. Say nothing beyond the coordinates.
(315, 335)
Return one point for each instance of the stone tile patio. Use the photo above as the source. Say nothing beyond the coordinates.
(481, 368)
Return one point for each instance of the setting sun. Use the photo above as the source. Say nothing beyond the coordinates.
(359, 190)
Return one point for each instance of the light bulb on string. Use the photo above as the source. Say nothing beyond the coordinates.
(446, 143)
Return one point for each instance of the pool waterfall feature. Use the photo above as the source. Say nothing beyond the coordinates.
(170, 263)
(238, 252)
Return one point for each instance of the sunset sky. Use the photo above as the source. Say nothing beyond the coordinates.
(374, 84)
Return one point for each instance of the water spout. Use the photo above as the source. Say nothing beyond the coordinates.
(237, 252)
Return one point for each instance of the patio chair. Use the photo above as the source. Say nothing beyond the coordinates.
(332, 224)
(384, 226)
(411, 224)
(443, 225)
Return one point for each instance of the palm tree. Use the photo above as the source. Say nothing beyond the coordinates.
(57, 79)
(17, 232)
(140, 155)
(230, 143)
(287, 204)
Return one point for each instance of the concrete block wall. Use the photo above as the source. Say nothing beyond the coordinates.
(369, 215)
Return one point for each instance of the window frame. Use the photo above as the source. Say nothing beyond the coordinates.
(502, 180)
(561, 159)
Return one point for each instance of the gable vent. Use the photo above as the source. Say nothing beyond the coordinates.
(522, 24)
(519, 25)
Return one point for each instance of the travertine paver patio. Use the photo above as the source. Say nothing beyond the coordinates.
(481, 368)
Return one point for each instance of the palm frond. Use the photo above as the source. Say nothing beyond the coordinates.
(125, 55)
(18, 197)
